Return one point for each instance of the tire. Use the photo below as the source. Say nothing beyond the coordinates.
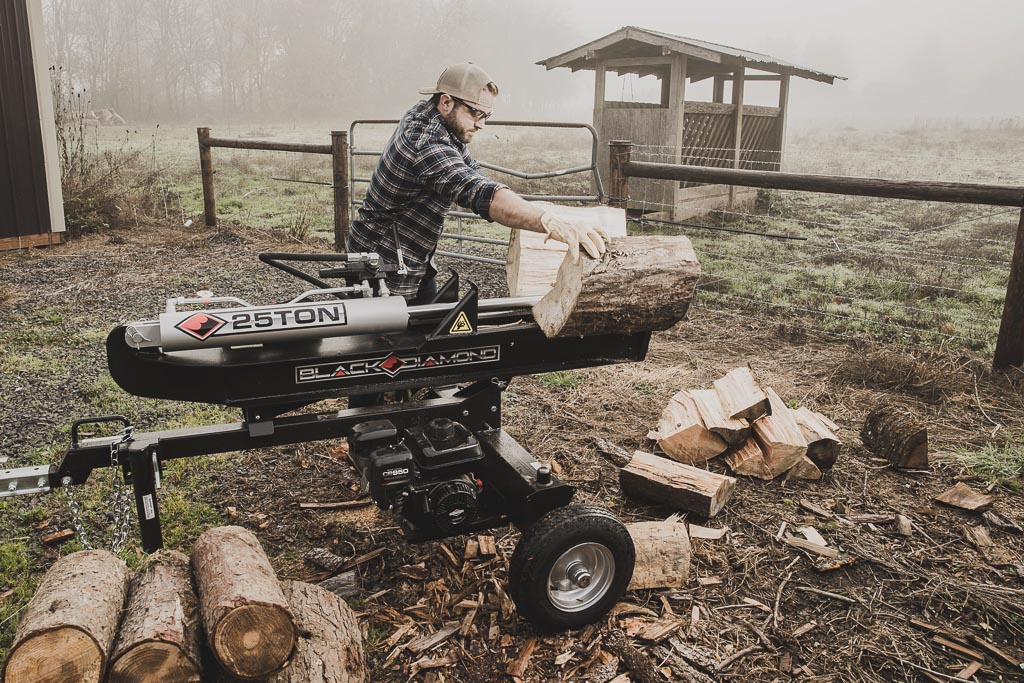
(583, 542)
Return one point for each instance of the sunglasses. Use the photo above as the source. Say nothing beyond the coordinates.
(476, 114)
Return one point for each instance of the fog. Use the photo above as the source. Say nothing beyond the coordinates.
(277, 60)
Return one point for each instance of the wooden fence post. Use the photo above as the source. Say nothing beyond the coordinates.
(1010, 346)
(619, 153)
(206, 166)
(342, 188)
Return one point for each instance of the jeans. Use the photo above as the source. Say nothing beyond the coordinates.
(424, 295)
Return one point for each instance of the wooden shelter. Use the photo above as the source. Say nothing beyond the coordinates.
(31, 201)
(716, 133)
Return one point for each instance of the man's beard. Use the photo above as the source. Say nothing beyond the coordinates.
(464, 135)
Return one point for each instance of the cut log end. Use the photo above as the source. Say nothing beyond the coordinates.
(155, 663)
(254, 640)
(895, 434)
(32, 660)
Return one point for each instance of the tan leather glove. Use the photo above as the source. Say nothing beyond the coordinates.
(575, 234)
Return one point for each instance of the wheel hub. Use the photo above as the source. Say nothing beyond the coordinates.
(580, 577)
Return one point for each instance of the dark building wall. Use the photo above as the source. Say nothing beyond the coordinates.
(24, 205)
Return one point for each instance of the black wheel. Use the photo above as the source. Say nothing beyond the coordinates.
(570, 567)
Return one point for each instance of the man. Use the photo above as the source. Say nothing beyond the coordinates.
(426, 167)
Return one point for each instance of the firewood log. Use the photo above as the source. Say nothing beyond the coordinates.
(822, 444)
(249, 625)
(69, 625)
(682, 435)
(674, 484)
(803, 469)
(641, 284)
(734, 431)
(159, 638)
(662, 555)
(894, 433)
(749, 460)
(779, 436)
(741, 395)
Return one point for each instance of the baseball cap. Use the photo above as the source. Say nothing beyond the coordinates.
(466, 81)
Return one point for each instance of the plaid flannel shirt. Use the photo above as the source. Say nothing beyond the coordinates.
(424, 170)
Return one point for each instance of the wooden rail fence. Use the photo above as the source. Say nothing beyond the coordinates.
(338, 151)
(1010, 344)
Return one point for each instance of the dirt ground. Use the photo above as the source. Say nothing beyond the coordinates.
(753, 596)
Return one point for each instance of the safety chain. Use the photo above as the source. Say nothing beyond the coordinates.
(120, 501)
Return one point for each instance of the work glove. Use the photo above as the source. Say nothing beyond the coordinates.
(574, 234)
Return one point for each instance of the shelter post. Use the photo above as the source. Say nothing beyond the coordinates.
(206, 167)
(342, 188)
(1010, 346)
(619, 152)
(737, 100)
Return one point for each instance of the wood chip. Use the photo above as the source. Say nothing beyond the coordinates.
(337, 505)
(810, 546)
(903, 526)
(964, 497)
(487, 547)
(651, 630)
(58, 537)
(997, 652)
(472, 549)
(707, 533)
(969, 670)
(806, 628)
(517, 667)
(958, 648)
(709, 580)
(812, 535)
(430, 641)
(1001, 522)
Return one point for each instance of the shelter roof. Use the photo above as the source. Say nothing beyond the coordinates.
(706, 59)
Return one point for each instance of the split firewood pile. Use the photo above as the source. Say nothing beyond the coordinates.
(752, 427)
(223, 616)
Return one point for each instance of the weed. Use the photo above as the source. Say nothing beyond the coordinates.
(561, 379)
(995, 463)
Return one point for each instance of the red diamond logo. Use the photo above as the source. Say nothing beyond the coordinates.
(392, 365)
(201, 325)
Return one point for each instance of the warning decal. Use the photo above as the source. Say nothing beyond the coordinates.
(461, 325)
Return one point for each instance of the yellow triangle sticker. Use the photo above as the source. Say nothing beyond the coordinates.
(461, 325)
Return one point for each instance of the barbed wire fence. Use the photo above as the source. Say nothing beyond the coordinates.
(902, 271)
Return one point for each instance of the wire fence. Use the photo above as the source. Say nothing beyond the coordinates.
(904, 271)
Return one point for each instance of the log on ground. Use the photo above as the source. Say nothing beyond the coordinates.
(249, 625)
(741, 395)
(804, 469)
(640, 284)
(69, 625)
(779, 436)
(674, 484)
(734, 431)
(682, 435)
(330, 643)
(662, 555)
(159, 638)
(822, 443)
(749, 460)
(895, 434)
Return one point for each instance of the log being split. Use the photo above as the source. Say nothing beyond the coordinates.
(249, 625)
(662, 555)
(69, 625)
(641, 283)
(330, 644)
(159, 638)
(674, 484)
(893, 433)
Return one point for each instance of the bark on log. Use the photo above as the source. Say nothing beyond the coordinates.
(741, 395)
(895, 434)
(734, 431)
(779, 436)
(671, 483)
(662, 555)
(641, 284)
(822, 444)
(682, 435)
(330, 643)
(532, 264)
(69, 625)
(249, 625)
(159, 638)
(749, 460)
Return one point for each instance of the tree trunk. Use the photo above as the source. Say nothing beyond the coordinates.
(893, 433)
(641, 284)
(249, 626)
(69, 625)
(159, 639)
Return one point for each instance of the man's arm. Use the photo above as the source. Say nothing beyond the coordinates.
(513, 211)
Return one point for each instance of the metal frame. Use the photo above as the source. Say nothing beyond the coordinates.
(459, 215)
